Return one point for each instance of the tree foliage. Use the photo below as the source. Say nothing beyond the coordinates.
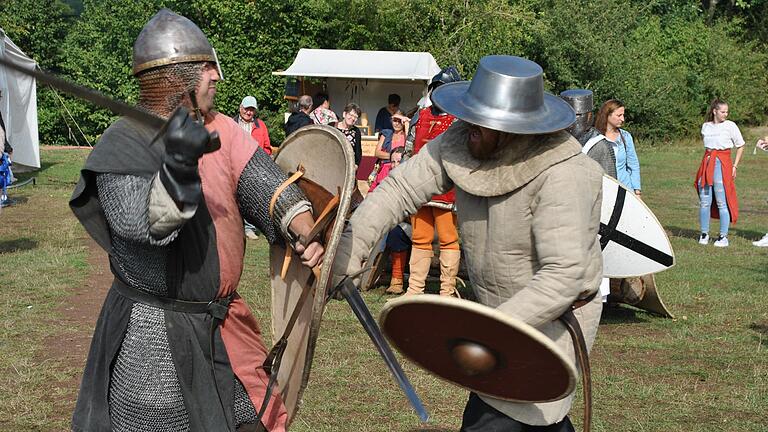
(665, 58)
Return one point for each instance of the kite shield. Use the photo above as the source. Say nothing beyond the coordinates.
(326, 158)
(633, 241)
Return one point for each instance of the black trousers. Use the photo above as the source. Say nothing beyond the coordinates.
(479, 416)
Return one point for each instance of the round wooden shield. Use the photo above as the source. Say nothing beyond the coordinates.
(478, 348)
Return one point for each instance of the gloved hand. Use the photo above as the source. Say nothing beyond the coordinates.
(185, 143)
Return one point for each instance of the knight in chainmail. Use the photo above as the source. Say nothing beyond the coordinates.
(175, 348)
(593, 143)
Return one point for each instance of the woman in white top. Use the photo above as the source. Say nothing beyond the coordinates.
(716, 173)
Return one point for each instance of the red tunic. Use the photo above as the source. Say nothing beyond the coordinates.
(428, 127)
(706, 176)
(219, 173)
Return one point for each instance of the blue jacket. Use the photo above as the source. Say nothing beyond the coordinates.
(627, 163)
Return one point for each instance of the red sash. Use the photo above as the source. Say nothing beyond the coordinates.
(706, 176)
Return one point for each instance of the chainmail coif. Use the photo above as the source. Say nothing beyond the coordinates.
(162, 89)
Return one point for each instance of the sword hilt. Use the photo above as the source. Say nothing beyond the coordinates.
(214, 142)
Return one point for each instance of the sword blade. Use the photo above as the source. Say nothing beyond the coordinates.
(356, 302)
(90, 95)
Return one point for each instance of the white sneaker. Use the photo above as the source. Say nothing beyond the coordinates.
(251, 235)
(704, 239)
(763, 242)
(721, 242)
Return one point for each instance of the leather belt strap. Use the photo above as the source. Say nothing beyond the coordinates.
(582, 356)
(217, 308)
(586, 300)
(280, 189)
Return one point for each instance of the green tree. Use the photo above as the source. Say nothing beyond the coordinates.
(663, 57)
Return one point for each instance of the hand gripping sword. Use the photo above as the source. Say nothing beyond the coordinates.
(99, 99)
(349, 291)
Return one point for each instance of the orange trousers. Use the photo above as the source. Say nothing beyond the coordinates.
(427, 220)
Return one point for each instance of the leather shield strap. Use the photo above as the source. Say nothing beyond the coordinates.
(272, 363)
(273, 201)
(582, 356)
(280, 189)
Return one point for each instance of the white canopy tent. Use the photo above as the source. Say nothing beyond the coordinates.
(366, 77)
(18, 105)
(396, 65)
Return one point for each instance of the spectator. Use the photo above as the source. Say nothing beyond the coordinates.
(716, 172)
(391, 139)
(398, 242)
(322, 113)
(609, 120)
(248, 119)
(6, 178)
(301, 117)
(762, 144)
(6, 175)
(347, 127)
(3, 136)
(384, 117)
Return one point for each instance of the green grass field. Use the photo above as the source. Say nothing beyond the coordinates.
(705, 370)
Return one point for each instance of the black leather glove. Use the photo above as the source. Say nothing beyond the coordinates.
(185, 143)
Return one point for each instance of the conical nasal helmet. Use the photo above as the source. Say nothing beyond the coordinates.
(169, 38)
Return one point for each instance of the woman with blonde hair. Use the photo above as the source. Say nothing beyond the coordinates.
(716, 172)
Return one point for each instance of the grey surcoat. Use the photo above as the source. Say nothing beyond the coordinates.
(144, 390)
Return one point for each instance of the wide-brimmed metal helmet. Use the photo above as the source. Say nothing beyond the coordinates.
(506, 94)
(447, 75)
(169, 38)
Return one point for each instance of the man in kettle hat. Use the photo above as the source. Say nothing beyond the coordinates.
(528, 204)
(175, 347)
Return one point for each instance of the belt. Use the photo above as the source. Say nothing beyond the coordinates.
(582, 355)
(216, 308)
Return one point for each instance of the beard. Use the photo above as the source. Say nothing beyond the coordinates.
(482, 142)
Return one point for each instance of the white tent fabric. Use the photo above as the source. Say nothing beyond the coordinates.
(18, 105)
(397, 65)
